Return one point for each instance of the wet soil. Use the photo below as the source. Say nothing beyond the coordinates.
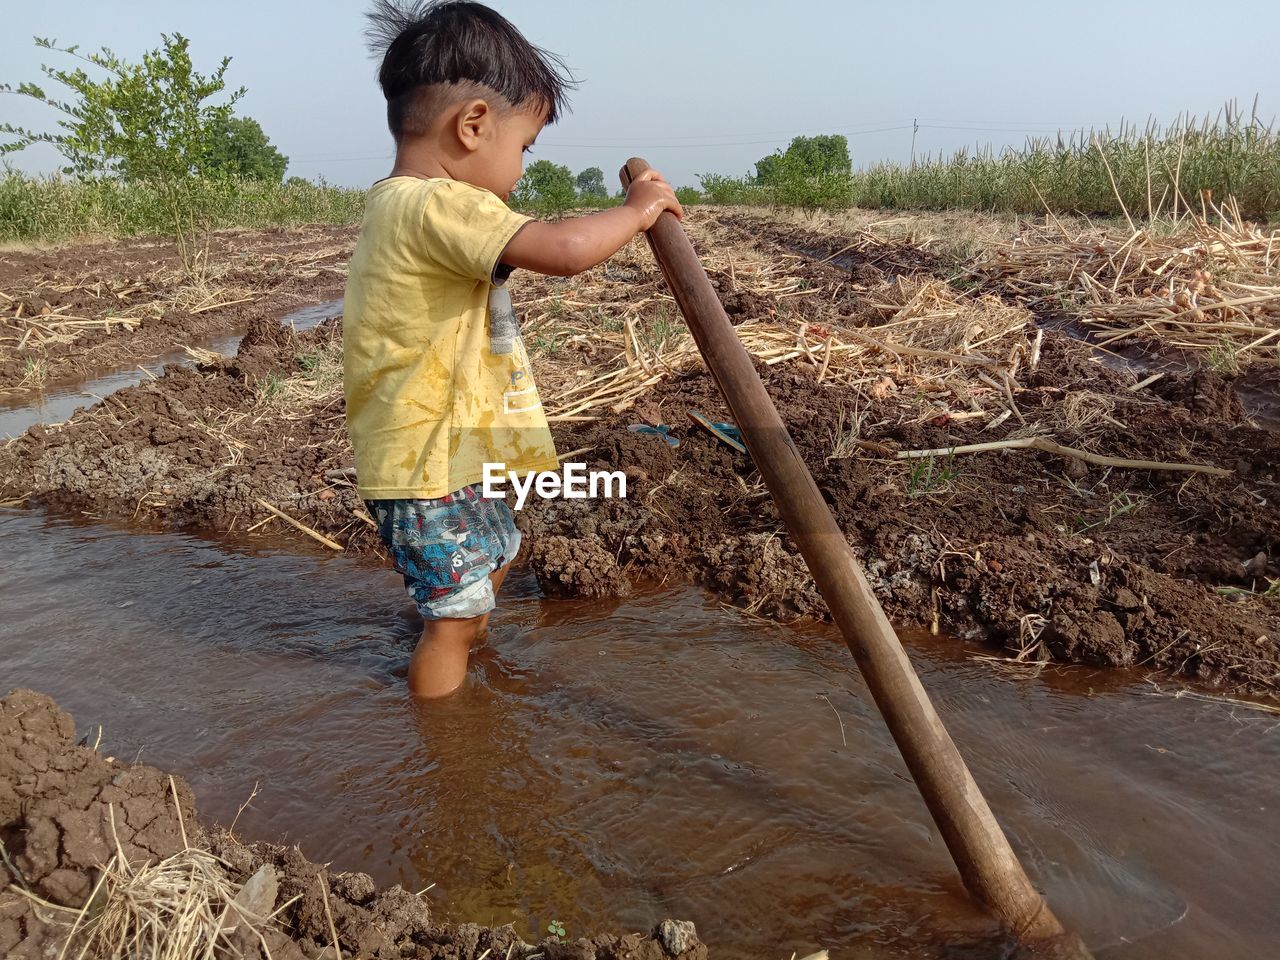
(244, 275)
(1045, 557)
(200, 445)
(66, 810)
(1048, 557)
(613, 762)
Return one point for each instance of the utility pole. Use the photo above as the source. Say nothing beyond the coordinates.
(915, 126)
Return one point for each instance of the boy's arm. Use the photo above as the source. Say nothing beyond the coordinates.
(572, 246)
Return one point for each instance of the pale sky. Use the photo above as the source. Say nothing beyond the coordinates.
(707, 86)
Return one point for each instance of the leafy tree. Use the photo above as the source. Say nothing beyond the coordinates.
(546, 186)
(239, 148)
(820, 156)
(812, 172)
(142, 121)
(591, 184)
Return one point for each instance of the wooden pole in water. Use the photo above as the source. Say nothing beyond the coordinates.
(988, 866)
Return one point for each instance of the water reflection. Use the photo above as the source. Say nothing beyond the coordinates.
(608, 767)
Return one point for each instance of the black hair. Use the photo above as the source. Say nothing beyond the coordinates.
(451, 45)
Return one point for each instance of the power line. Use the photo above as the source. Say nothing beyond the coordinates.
(716, 142)
(619, 144)
(939, 126)
(998, 123)
(379, 156)
(850, 127)
(703, 142)
(730, 143)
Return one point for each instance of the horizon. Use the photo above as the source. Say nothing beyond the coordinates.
(1063, 84)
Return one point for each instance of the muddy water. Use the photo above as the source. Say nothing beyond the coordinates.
(612, 764)
(19, 411)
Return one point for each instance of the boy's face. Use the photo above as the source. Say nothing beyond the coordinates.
(498, 161)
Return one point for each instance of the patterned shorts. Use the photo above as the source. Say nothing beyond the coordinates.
(446, 548)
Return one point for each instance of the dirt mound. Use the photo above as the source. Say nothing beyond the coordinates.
(96, 307)
(1048, 556)
(66, 811)
(200, 446)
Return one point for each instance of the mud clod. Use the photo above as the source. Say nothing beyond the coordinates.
(65, 811)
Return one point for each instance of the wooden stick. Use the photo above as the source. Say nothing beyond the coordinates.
(1048, 446)
(987, 864)
(314, 535)
(1145, 383)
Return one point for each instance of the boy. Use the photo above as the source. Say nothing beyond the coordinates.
(436, 377)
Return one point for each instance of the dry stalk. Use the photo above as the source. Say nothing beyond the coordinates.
(1205, 283)
(1048, 446)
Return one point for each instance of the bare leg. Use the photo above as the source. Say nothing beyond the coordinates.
(439, 662)
(496, 579)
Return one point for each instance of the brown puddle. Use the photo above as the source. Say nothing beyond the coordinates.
(611, 764)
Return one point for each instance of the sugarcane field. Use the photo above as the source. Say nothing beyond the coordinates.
(886, 563)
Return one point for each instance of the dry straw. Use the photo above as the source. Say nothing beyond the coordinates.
(183, 907)
(1204, 282)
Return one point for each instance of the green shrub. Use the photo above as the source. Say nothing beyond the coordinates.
(54, 208)
(723, 191)
(688, 196)
(1153, 169)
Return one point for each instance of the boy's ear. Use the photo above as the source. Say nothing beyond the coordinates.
(472, 122)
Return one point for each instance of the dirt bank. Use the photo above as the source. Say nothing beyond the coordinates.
(73, 311)
(70, 817)
(1046, 556)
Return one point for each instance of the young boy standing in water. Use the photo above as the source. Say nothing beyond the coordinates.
(436, 376)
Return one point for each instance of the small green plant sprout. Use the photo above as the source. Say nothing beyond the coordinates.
(1223, 359)
(848, 433)
(556, 929)
(1270, 592)
(35, 370)
(661, 328)
(548, 342)
(1116, 507)
(270, 386)
(928, 476)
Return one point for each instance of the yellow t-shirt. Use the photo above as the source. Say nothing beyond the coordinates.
(433, 394)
